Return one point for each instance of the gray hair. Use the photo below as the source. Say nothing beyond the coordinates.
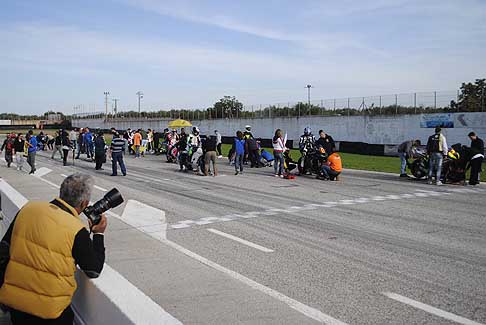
(76, 188)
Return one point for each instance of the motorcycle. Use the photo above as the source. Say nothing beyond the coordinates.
(311, 160)
(453, 165)
(419, 167)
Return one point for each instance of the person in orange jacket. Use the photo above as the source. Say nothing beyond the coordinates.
(331, 169)
(137, 142)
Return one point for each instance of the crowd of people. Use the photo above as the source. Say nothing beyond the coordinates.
(200, 153)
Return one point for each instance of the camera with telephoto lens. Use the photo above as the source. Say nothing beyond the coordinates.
(112, 199)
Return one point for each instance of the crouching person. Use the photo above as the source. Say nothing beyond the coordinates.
(331, 169)
(47, 240)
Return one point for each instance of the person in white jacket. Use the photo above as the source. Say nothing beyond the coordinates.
(278, 150)
(218, 143)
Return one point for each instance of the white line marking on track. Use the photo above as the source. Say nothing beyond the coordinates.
(131, 219)
(294, 304)
(42, 172)
(100, 188)
(430, 309)
(240, 240)
(48, 182)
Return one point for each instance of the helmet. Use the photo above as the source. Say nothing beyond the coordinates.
(248, 127)
(307, 131)
(453, 154)
(195, 130)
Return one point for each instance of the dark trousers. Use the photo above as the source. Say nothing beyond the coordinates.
(21, 318)
(8, 157)
(117, 157)
(475, 169)
(99, 159)
(31, 161)
(218, 149)
(253, 156)
(65, 153)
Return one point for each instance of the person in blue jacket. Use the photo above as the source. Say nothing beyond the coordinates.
(31, 151)
(239, 147)
(88, 139)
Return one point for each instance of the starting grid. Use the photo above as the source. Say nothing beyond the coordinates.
(184, 224)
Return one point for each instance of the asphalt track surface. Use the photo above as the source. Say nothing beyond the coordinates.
(255, 249)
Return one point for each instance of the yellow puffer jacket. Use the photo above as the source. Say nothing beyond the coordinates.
(39, 279)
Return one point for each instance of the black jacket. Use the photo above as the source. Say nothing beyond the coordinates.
(19, 145)
(327, 143)
(477, 146)
(99, 145)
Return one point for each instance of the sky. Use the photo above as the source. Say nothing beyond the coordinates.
(57, 54)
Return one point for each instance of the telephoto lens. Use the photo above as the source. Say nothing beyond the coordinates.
(112, 199)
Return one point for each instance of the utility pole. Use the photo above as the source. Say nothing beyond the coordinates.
(106, 93)
(140, 96)
(308, 94)
(116, 106)
(309, 97)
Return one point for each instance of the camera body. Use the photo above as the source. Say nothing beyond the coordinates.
(111, 200)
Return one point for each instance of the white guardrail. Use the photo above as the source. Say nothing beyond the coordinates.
(109, 299)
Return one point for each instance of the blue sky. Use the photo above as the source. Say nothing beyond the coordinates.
(55, 54)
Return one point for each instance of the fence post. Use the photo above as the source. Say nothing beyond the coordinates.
(415, 103)
(396, 104)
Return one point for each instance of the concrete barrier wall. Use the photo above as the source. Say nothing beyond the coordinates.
(369, 129)
(109, 299)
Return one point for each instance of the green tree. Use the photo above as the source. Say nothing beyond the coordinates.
(472, 97)
(228, 106)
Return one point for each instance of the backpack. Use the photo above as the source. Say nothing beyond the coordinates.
(433, 143)
(9, 145)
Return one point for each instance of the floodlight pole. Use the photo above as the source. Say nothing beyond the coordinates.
(140, 96)
(106, 93)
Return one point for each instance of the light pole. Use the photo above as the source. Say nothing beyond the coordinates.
(115, 100)
(308, 94)
(106, 93)
(140, 96)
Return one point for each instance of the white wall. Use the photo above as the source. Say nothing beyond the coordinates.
(369, 129)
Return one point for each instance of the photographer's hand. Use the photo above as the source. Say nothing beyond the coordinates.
(99, 228)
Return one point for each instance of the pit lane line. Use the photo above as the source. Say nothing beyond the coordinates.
(241, 240)
(429, 309)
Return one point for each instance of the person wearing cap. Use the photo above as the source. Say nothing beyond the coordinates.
(437, 149)
(477, 157)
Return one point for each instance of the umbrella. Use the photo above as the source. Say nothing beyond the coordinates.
(179, 124)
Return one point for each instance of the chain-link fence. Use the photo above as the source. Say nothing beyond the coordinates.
(394, 104)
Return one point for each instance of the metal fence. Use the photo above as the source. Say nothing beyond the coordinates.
(394, 104)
